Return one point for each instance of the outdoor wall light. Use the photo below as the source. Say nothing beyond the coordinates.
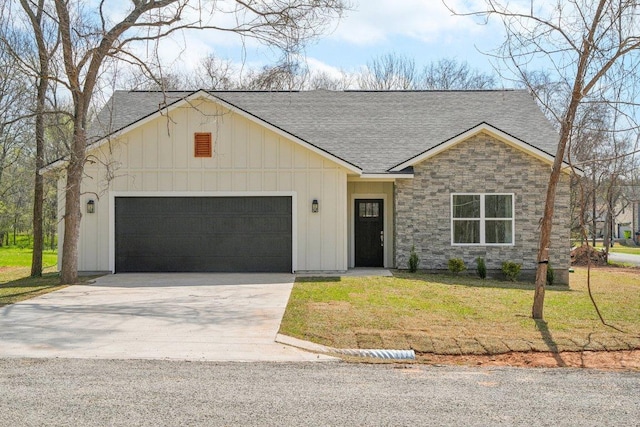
(91, 206)
(314, 206)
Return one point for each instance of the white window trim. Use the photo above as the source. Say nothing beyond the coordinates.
(482, 219)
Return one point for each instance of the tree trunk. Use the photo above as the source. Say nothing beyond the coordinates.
(35, 17)
(594, 212)
(543, 250)
(537, 311)
(38, 194)
(38, 236)
(73, 214)
(607, 237)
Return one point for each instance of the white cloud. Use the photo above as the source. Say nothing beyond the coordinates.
(315, 65)
(375, 21)
(372, 22)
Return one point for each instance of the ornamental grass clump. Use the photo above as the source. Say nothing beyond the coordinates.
(481, 268)
(551, 275)
(511, 270)
(456, 265)
(413, 260)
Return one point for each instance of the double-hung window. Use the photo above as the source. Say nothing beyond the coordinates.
(482, 219)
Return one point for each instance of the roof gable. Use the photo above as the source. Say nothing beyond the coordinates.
(480, 128)
(171, 103)
(367, 132)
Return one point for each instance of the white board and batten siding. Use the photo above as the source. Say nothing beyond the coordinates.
(157, 159)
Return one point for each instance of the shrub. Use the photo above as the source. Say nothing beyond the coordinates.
(413, 260)
(456, 265)
(481, 268)
(511, 270)
(551, 275)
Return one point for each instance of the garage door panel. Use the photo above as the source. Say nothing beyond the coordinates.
(203, 234)
(245, 244)
(145, 226)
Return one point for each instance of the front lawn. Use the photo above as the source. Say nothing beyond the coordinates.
(15, 256)
(631, 250)
(619, 249)
(464, 315)
(16, 285)
(15, 268)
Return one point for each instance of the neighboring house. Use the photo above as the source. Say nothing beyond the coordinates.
(624, 223)
(318, 181)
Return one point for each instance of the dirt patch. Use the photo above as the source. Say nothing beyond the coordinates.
(582, 254)
(606, 360)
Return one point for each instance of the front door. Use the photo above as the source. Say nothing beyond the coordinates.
(369, 233)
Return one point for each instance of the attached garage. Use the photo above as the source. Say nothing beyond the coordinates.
(203, 234)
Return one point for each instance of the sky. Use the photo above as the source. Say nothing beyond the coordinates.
(424, 30)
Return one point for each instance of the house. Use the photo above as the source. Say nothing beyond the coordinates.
(318, 181)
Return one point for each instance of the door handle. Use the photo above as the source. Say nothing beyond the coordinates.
(382, 238)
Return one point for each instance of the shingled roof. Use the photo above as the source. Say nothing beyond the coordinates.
(373, 130)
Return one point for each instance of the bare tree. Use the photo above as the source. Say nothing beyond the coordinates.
(323, 80)
(141, 79)
(591, 129)
(448, 74)
(214, 73)
(286, 75)
(46, 42)
(592, 46)
(15, 122)
(389, 72)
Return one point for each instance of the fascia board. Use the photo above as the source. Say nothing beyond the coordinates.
(481, 128)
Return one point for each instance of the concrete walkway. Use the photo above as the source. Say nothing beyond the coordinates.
(219, 317)
(625, 258)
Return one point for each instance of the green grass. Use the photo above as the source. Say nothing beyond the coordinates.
(16, 285)
(619, 249)
(13, 256)
(15, 268)
(463, 315)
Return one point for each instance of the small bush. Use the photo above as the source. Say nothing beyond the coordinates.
(481, 268)
(511, 270)
(413, 260)
(551, 275)
(456, 265)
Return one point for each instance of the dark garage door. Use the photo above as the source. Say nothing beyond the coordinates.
(199, 234)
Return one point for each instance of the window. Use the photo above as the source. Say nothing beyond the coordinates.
(202, 144)
(369, 210)
(482, 219)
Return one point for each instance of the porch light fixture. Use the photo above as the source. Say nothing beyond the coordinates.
(314, 206)
(91, 206)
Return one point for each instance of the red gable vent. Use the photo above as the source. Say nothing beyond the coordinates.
(202, 144)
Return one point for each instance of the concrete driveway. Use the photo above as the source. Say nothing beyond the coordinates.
(155, 316)
(625, 258)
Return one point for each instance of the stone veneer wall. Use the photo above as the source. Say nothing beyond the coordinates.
(481, 164)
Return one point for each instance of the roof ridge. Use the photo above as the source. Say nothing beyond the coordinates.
(433, 90)
(323, 90)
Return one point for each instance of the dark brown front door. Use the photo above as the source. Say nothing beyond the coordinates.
(369, 233)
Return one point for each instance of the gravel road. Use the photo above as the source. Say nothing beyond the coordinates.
(87, 392)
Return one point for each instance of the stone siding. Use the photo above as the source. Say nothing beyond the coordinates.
(481, 164)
